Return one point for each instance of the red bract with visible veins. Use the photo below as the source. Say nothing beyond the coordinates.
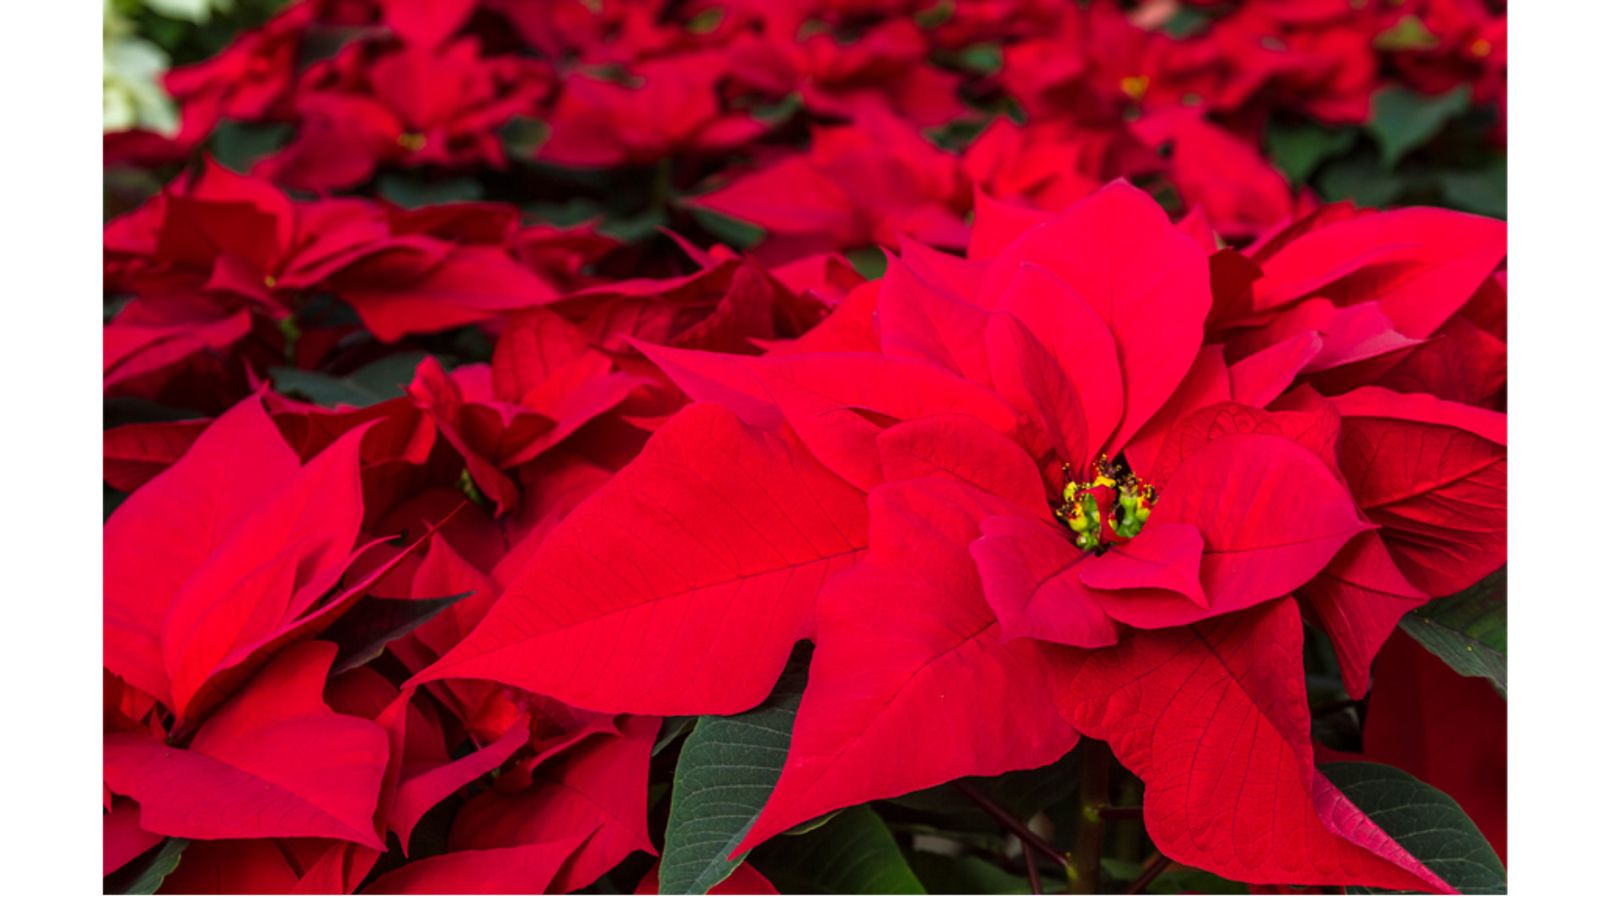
(432, 525)
(1043, 444)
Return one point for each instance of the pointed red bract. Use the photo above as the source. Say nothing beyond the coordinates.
(1420, 265)
(719, 536)
(1432, 474)
(272, 762)
(159, 536)
(1031, 581)
(1447, 729)
(1212, 718)
(1152, 293)
(909, 655)
(1359, 600)
(598, 787)
(524, 869)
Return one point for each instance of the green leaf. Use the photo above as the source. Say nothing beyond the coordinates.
(1467, 630)
(870, 262)
(733, 232)
(974, 875)
(958, 134)
(238, 145)
(636, 227)
(373, 622)
(1403, 120)
(672, 728)
(387, 378)
(375, 382)
(854, 853)
(412, 192)
(726, 772)
(145, 874)
(1426, 822)
(983, 59)
(705, 21)
(1481, 190)
(1361, 180)
(1184, 22)
(1300, 148)
(523, 136)
(811, 825)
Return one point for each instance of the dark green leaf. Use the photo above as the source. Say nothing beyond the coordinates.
(1300, 148)
(145, 874)
(870, 262)
(733, 232)
(854, 853)
(411, 192)
(1426, 822)
(372, 383)
(631, 229)
(705, 21)
(522, 137)
(1403, 120)
(1185, 21)
(1359, 179)
(323, 390)
(1467, 630)
(1481, 190)
(811, 825)
(672, 728)
(373, 622)
(387, 378)
(973, 875)
(725, 774)
(956, 135)
(780, 110)
(238, 145)
(983, 59)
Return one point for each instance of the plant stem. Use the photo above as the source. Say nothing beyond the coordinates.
(1013, 825)
(1033, 869)
(1094, 795)
(1155, 867)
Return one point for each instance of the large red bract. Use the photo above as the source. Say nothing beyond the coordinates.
(497, 392)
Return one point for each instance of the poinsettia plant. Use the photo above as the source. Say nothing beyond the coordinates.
(886, 447)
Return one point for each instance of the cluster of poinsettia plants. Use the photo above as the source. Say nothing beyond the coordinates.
(822, 446)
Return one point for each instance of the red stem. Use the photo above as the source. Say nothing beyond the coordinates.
(1155, 868)
(1013, 825)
